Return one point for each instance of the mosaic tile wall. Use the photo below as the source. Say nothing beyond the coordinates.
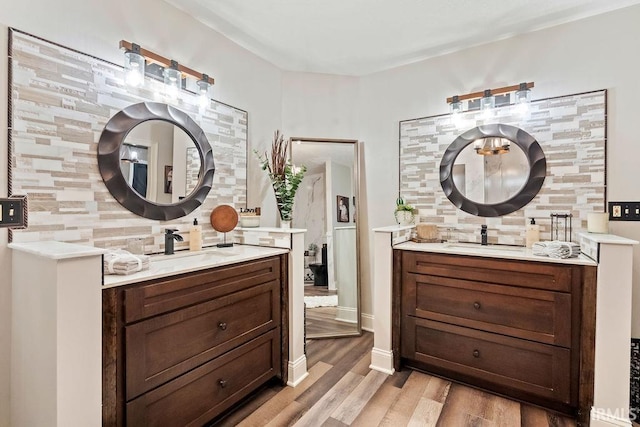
(60, 102)
(257, 237)
(572, 133)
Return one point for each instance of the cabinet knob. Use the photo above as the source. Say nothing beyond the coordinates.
(222, 326)
(476, 353)
(476, 305)
(222, 383)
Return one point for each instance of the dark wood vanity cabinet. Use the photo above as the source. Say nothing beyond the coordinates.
(179, 351)
(523, 329)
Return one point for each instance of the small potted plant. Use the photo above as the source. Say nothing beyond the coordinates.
(285, 177)
(312, 249)
(405, 214)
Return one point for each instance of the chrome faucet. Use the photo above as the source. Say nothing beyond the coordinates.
(483, 235)
(169, 238)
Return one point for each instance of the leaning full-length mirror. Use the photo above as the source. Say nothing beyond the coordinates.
(326, 206)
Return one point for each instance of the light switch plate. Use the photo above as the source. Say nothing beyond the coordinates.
(13, 212)
(624, 211)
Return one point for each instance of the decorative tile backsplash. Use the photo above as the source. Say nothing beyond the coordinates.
(572, 133)
(60, 102)
(261, 237)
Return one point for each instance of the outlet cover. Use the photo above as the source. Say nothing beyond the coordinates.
(13, 212)
(624, 211)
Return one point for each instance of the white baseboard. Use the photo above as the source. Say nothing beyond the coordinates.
(346, 314)
(382, 360)
(367, 322)
(297, 371)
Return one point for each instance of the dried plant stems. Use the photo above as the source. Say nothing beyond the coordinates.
(285, 179)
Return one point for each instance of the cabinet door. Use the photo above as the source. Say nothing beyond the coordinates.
(532, 314)
(172, 293)
(200, 395)
(163, 347)
(490, 360)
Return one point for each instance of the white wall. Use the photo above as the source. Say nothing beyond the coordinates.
(602, 52)
(242, 80)
(319, 106)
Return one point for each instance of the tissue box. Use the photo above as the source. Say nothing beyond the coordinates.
(249, 221)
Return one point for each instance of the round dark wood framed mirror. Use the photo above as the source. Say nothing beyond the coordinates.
(113, 151)
(533, 176)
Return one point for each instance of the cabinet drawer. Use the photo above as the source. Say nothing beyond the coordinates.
(175, 292)
(532, 314)
(491, 360)
(526, 274)
(161, 348)
(199, 395)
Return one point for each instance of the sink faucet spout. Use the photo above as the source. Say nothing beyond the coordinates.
(169, 237)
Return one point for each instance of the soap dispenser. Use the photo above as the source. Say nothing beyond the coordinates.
(195, 236)
(532, 233)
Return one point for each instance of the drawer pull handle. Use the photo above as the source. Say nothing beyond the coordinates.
(222, 326)
(476, 353)
(222, 383)
(476, 305)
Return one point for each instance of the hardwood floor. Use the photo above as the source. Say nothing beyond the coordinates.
(321, 321)
(316, 291)
(341, 390)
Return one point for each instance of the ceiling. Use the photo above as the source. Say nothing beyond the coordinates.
(357, 37)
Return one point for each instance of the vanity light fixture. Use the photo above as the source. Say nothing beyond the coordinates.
(491, 145)
(127, 154)
(488, 97)
(167, 70)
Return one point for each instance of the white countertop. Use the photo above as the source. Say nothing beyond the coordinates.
(610, 239)
(57, 250)
(392, 228)
(490, 251)
(272, 229)
(186, 261)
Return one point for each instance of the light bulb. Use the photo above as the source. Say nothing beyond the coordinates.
(134, 67)
(203, 91)
(172, 80)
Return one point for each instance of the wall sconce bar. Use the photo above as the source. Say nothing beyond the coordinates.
(480, 94)
(165, 62)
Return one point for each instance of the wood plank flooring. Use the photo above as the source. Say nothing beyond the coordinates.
(341, 391)
(321, 321)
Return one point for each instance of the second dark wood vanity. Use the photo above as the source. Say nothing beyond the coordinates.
(183, 349)
(519, 328)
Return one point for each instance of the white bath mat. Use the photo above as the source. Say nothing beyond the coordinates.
(321, 301)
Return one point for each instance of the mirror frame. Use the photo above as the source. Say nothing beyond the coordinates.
(111, 140)
(528, 144)
(356, 180)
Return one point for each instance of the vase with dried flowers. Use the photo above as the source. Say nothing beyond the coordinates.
(285, 177)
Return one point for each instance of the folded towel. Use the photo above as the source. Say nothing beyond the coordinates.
(556, 249)
(120, 261)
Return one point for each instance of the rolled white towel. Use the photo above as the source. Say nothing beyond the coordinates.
(556, 249)
(120, 261)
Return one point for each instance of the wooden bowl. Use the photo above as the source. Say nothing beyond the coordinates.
(224, 218)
